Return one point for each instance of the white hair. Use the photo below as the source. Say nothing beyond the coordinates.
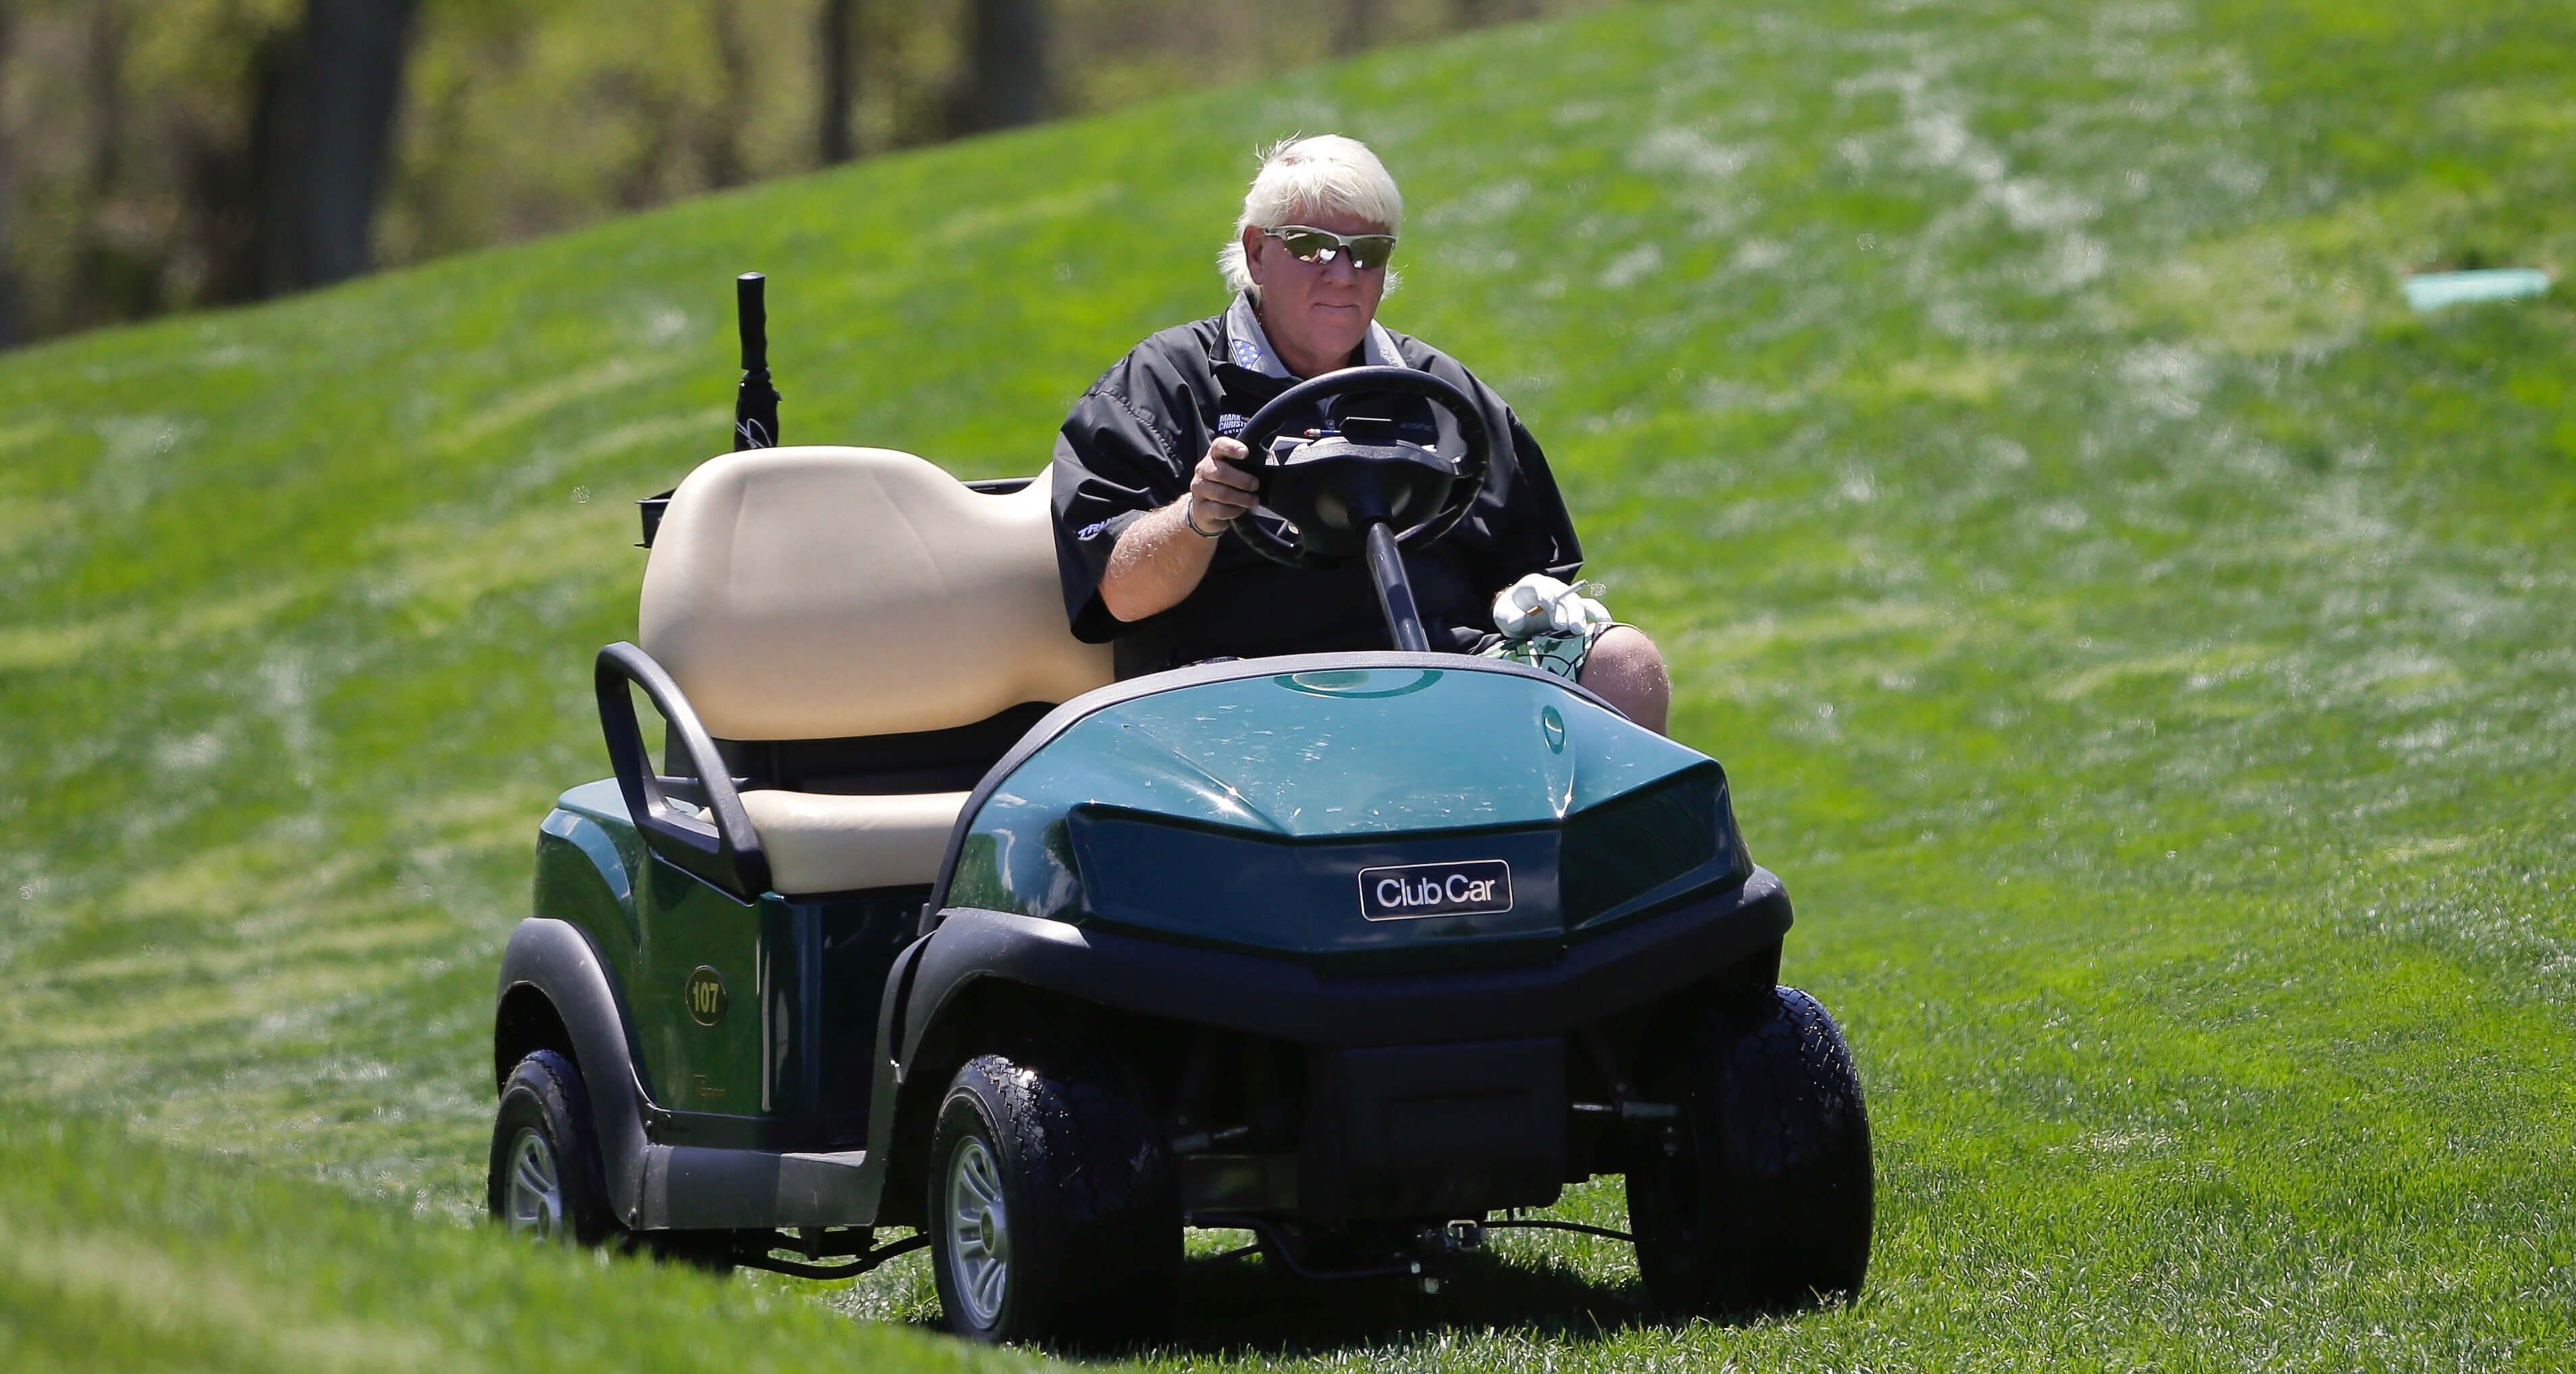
(1302, 178)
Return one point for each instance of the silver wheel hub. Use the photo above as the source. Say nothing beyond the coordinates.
(536, 1201)
(979, 1233)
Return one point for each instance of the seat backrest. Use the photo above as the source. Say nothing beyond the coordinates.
(821, 593)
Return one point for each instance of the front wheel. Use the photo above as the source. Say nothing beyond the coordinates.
(1762, 1200)
(544, 1181)
(1055, 1213)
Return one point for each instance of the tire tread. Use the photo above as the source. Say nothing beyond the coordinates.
(1771, 1204)
(1103, 1220)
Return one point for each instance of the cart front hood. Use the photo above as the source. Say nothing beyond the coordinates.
(1354, 812)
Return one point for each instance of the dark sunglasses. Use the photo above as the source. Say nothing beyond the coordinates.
(1368, 251)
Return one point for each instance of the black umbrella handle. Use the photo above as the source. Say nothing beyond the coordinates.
(755, 402)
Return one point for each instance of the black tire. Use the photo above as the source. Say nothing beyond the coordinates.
(543, 1135)
(1088, 1226)
(1763, 1202)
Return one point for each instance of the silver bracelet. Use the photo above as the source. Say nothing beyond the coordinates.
(1217, 533)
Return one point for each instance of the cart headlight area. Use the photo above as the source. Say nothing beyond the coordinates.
(1512, 892)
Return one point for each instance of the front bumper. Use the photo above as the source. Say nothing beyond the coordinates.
(1635, 963)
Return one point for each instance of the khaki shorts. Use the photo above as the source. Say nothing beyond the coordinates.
(1561, 652)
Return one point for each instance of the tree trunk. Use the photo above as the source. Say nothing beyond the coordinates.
(722, 137)
(1355, 28)
(12, 327)
(321, 137)
(841, 56)
(111, 277)
(1007, 81)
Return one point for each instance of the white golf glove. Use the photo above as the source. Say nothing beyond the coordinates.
(1539, 604)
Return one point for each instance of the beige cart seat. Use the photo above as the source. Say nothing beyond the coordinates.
(819, 842)
(828, 593)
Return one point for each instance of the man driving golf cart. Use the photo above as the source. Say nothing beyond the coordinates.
(1350, 950)
(1149, 476)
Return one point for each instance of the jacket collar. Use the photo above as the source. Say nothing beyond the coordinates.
(1247, 347)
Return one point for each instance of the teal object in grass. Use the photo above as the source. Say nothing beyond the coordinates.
(2428, 291)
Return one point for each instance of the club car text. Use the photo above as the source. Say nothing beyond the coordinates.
(1473, 887)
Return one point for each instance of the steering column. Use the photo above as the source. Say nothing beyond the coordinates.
(1362, 485)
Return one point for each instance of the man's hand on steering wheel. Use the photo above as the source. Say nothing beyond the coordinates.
(1221, 491)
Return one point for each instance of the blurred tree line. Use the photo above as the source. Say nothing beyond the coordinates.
(161, 155)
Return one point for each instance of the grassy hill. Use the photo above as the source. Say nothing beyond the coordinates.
(115, 1256)
(2138, 640)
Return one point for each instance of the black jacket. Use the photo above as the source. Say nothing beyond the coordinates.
(1130, 445)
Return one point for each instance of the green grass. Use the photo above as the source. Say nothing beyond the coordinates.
(119, 1257)
(2139, 642)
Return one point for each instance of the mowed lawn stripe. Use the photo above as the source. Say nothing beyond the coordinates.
(119, 1256)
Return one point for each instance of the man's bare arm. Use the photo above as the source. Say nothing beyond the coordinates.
(1159, 560)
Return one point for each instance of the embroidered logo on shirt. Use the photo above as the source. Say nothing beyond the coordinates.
(1229, 425)
(1091, 531)
(1247, 354)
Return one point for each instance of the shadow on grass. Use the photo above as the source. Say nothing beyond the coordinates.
(1249, 1307)
(1249, 1310)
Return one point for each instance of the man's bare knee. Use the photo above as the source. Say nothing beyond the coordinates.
(1628, 671)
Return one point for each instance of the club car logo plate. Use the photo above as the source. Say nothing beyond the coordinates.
(1469, 887)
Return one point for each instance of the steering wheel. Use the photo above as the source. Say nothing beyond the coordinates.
(1334, 483)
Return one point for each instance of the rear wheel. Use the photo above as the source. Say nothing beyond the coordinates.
(1763, 1199)
(1054, 1210)
(544, 1179)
